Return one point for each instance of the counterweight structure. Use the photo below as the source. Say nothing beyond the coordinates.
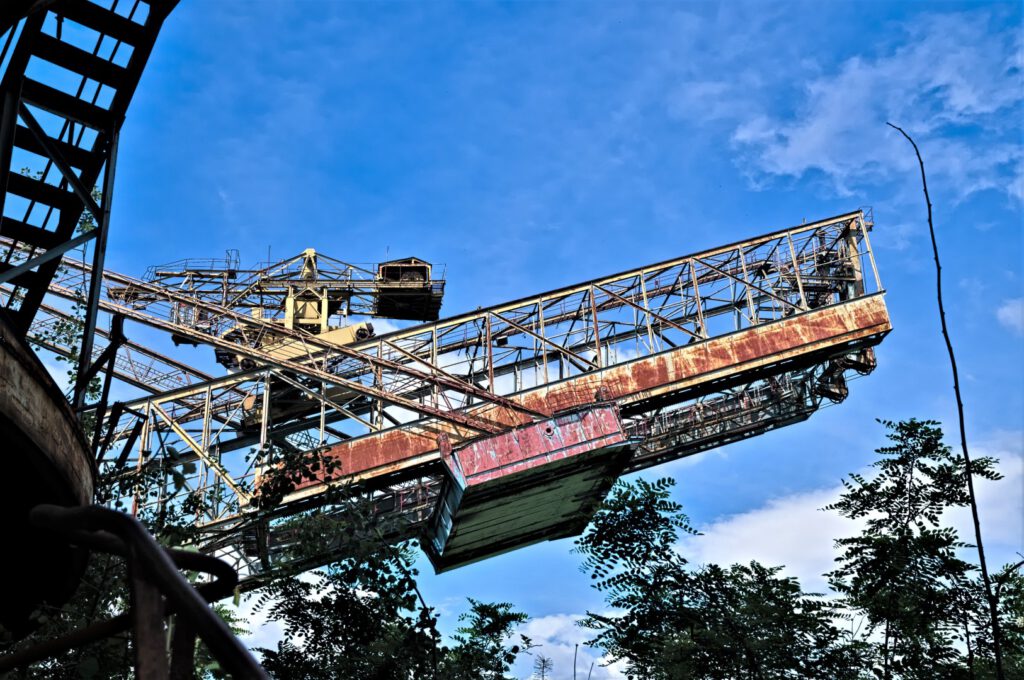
(486, 431)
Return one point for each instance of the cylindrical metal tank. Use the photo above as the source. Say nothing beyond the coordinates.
(44, 458)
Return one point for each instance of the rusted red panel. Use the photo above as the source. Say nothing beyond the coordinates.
(538, 482)
(537, 444)
(864, 320)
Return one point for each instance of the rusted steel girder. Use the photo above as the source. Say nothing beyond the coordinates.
(808, 336)
(319, 352)
(470, 422)
(537, 482)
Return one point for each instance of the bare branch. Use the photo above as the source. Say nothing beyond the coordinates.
(990, 595)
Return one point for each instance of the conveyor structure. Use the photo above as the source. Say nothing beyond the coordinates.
(489, 430)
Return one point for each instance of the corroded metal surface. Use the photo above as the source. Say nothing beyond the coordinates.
(695, 351)
(809, 336)
(46, 460)
(35, 410)
(538, 482)
(536, 444)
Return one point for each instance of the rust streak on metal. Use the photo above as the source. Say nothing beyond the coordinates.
(864, 321)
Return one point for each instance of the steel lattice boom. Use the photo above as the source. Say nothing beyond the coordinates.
(690, 353)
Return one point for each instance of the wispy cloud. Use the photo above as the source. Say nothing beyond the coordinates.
(794, 530)
(952, 79)
(1011, 315)
(558, 637)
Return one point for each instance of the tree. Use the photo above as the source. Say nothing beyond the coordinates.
(363, 617)
(543, 665)
(676, 622)
(902, 571)
(977, 637)
(482, 650)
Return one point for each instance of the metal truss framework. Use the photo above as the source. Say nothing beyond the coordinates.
(380, 406)
(348, 289)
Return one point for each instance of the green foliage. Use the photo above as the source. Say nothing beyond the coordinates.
(1009, 588)
(902, 571)
(362, 616)
(924, 607)
(677, 622)
(67, 332)
(637, 526)
(287, 468)
(482, 649)
(205, 665)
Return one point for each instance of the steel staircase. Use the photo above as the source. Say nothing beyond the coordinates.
(72, 67)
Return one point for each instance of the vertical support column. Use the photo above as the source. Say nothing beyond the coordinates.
(597, 329)
(540, 332)
(183, 650)
(205, 442)
(265, 415)
(647, 312)
(207, 418)
(96, 276)
(289, 309)
(116, 339)
(148, 621)
(796, 271)
(856, 288)
(746, 280)
(737, 315)
(323, 411)
(8, 123)
(143, 450)
(697, 300)
(434, 389)
(211, 511)
(490, 354)
(378, 382)
(871, 255)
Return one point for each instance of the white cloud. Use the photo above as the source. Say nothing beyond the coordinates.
(1011, 315)
(1000, 504)
(557, 637)
(791, 531)
(795, 532)
(951, 71)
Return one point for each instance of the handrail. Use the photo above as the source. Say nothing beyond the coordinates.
(158, 590)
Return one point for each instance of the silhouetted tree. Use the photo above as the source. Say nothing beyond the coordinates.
(542, 665)
(744, 621)
(363, 617)
(482, 650)
(902, 571)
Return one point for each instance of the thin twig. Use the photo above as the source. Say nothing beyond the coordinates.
(1001, 579)
(990, 595)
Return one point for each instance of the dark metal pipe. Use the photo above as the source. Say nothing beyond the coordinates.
(118, 533)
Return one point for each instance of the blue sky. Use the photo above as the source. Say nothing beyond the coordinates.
(533, 145)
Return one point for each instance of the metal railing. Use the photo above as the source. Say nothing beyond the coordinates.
(157, 589)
